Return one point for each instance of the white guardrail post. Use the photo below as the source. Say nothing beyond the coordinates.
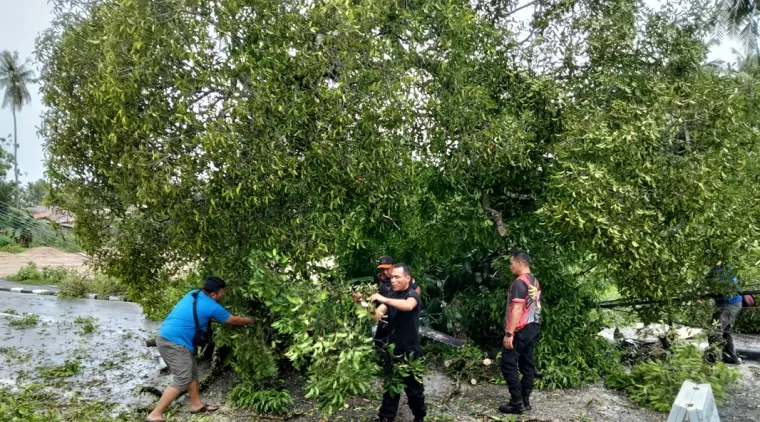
(694, 403)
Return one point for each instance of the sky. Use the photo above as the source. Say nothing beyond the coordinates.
(23, 20)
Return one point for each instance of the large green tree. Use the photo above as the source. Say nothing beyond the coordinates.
(34, 193)
(14, 78)
(207, 132)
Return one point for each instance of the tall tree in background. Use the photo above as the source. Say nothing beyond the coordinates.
(741, 20)
(14, 78)
(6, 187)
(34, 193)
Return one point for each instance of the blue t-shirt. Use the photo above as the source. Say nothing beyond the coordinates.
(179, 326)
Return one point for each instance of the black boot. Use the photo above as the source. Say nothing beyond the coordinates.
(526, 400)
(512, 408)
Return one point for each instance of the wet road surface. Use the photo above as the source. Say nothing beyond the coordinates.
(113, 357)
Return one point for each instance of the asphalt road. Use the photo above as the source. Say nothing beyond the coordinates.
(113, 357)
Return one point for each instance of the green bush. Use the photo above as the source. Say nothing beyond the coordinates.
(30, 272)
(76, 285)
(24, 405)
(655, 383)
(6, 240)
(263, 401)
(748, 321)
(12, 248)
(55, 275)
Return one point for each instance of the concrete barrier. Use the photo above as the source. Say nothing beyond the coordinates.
(694, 403)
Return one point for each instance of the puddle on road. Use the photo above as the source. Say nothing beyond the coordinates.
(113, 357)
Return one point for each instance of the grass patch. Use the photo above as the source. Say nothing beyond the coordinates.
(10, 311)
(34, 404)
(87, 323)
(67, 369)
(12, 248)
(71, 284)
(29, 320)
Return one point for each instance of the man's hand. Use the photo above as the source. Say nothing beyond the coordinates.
(357, 297)
(377, 297)
(508, 342)
(238, 321)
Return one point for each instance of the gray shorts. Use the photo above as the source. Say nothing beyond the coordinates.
(181, 363)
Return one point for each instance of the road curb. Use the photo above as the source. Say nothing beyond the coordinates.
(45, 292)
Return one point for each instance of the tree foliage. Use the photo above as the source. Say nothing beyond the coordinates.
(7, 187)
(34, 193)
(203, 133)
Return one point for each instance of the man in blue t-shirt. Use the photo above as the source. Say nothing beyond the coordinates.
(175, 343)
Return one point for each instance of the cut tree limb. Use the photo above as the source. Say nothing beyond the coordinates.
(492, 214)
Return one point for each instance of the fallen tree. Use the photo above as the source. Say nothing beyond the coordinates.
(188, 131)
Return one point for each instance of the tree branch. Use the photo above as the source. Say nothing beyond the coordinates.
(517, 9)
(387, 217)
(492, 214)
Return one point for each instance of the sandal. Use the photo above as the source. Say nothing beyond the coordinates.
(205, 408)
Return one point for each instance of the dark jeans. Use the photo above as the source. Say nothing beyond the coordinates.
(520, 357)
(415, 394)
(727, 317)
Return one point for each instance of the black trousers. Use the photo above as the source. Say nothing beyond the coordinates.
(382, 334)
(415, 394)
(520, 357)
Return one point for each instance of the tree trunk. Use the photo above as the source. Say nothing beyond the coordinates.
(15, 152)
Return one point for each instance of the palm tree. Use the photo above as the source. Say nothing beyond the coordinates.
(739, 19)
(14, 78)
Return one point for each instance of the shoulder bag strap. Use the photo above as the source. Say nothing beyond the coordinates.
(195, 311)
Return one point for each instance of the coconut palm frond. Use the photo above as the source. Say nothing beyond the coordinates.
(15, 76)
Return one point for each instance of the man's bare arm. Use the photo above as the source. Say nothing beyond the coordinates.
(514, 319)
(380, 312)
(238, 321)
(404, 305)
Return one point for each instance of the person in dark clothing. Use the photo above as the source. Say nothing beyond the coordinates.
(383, 281)
(521, 334)
(727, 313)
(401, 308)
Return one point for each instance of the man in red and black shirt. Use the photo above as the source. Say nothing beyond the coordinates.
(521, 334)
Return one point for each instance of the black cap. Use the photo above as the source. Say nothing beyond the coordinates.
(386, 262)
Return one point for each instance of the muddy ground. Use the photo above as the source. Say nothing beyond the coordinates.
(10, 263)
(467, 403)
(114, 364)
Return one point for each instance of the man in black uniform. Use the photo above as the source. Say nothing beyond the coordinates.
(383, 281)
(402, 308)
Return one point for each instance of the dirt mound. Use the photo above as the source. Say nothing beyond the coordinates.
(10, 263)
